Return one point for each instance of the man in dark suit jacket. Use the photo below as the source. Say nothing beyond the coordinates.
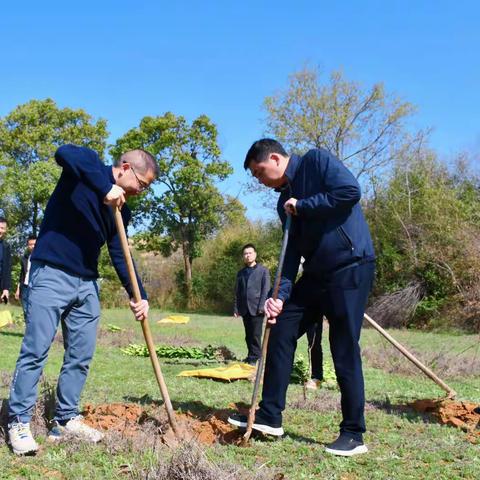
(329, 230)
(251, 289)
(5, 263)
(22, 286)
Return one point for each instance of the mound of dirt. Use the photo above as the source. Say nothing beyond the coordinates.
(464, 415)
(213, 429)
(126, 418)
(129, 419)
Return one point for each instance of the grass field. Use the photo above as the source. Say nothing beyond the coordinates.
(403, 445)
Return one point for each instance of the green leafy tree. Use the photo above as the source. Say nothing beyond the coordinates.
(188, 207)
(425, 227)
(29, 136)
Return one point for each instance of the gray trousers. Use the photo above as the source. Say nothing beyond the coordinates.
(23, 299)
(55, 296)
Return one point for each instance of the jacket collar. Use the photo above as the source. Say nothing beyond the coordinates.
(292, 167)
(290, 172)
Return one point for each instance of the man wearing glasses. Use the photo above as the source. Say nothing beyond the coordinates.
(142, 186)
(62, 288)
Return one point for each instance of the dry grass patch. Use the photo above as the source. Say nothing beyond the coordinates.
(387, 358)
(190, 462)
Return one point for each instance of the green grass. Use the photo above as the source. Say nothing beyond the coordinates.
(402, 445)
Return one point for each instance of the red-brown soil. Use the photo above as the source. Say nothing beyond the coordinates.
(128, 419)
(456, 414)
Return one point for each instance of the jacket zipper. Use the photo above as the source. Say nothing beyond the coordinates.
(346, 238)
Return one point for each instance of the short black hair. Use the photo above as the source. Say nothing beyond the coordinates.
(249, 245)
(3, 220)
(31, 237)
(261, 149)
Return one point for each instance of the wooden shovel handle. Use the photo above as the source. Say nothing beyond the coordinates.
(451, 393)
(266, 335)
(145, 325)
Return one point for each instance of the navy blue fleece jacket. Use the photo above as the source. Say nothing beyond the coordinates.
(329, 230)
(77, 223)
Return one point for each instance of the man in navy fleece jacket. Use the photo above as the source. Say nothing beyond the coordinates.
(62, 289)
(330, 232)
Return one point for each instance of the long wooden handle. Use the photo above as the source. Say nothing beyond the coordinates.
(450, 392)
(266, 335)
(145, 325)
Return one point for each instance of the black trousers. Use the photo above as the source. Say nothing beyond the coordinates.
(342, 299)
(253, 336)
(314, 336)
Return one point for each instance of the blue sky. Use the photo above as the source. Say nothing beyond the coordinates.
(123, 60)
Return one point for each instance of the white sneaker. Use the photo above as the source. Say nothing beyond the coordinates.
(262, 426)
(313, 384)
(77, 427)
(21, 438)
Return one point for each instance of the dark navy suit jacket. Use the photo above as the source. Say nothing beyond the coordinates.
(250, 295)
(329, 230)
(5, 267)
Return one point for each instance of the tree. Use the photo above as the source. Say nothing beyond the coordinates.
(425, 228)
(189, 207)
(363, 127)
(29, 136)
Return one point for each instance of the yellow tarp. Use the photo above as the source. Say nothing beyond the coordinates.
(234, 371)
(5, 318)
(175, 319)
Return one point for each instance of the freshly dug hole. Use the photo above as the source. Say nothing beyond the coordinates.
(129, 419)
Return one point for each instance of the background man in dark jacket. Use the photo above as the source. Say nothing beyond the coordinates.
(330, 232)
(314, 337)
(251, 288)
(25, 264)
(5, 263)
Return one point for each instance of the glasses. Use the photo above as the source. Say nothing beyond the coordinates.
(142, 185)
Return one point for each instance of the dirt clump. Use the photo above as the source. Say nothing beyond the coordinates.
(464, 415)
(126, 418)
(129, 419)
(211, 430)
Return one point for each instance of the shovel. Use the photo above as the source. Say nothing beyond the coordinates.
(145, 326)
(266, 336)
(451, 393)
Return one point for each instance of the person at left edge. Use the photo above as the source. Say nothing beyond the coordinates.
(62, 288)
(5, 262)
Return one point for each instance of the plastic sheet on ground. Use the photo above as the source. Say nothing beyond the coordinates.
(234, 371)
(5, 318)
(175, 319)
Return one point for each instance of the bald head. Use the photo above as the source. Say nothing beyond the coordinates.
(141, 161)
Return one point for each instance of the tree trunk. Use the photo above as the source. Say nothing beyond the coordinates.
(188, 274)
